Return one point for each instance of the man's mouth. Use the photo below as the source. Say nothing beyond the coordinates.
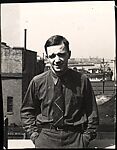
(59, 65)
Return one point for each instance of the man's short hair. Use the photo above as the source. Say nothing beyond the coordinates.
(56, 40)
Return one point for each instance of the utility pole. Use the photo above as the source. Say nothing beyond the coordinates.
(103, 75)
(114, 73)
(114, 68)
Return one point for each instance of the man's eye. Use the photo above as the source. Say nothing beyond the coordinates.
(52, 56)
(61, 54)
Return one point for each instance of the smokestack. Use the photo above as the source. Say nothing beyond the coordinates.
(25, 38)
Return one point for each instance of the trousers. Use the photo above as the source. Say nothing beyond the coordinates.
(49, 138)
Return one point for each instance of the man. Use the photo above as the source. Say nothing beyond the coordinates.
(61, 102)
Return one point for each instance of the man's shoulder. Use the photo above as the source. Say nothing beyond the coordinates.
(78, 74)
(41, 76)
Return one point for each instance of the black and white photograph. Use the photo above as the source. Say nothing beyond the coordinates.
(58, 74)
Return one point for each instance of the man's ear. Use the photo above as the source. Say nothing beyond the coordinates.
(69, 54)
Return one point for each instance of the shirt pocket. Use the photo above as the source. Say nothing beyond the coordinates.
(74, 99)
(77, 97)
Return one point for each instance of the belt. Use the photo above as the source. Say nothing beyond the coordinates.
(64, 128)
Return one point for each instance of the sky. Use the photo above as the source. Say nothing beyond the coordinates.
(88, 26)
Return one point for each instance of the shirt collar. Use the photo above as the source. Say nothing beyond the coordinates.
(55, 77)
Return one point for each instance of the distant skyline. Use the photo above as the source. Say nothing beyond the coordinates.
(88, 26)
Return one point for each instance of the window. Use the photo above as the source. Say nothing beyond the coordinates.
(9, 104)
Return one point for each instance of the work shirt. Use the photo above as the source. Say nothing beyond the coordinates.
(80, 102)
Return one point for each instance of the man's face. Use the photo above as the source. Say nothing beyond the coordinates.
(58, 57)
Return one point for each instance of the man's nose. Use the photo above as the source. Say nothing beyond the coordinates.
(57, 58)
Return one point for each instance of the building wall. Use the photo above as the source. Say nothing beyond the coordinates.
(11, 74)
(18, 67)
(11, 60)
(40, 66)
(29, 69)
(12, 87)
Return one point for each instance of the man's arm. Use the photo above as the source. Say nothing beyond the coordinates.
(91, 110)
(29, 110)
